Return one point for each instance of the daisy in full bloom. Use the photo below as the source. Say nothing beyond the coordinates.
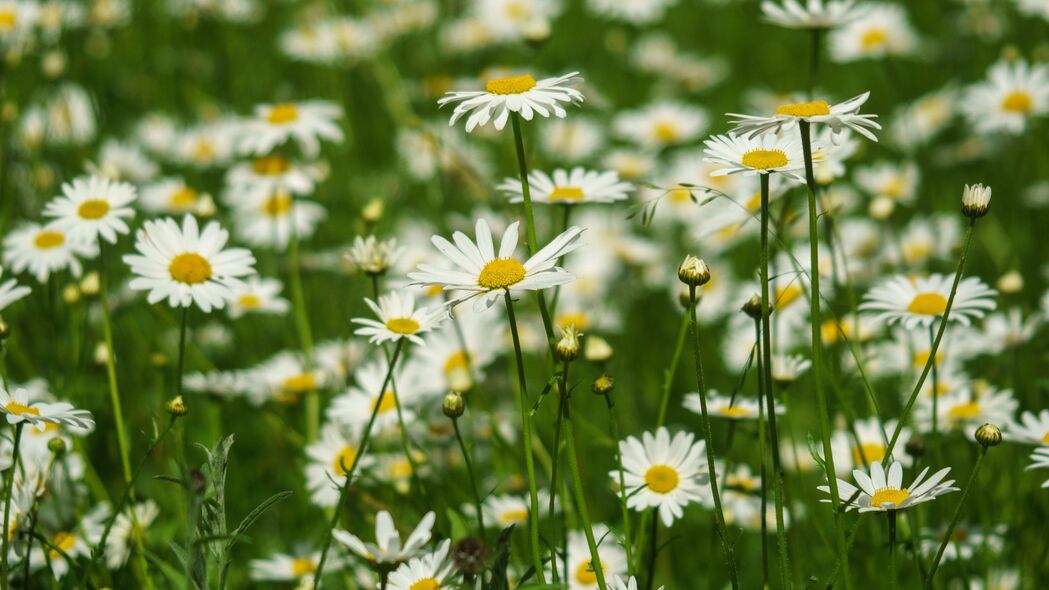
(839, 117)
(306, 122)
(487, 274)
(569, 187)
(172, 196)
(786, 369)
(404, 390)
(387, 548)
(881, 491)
(433, 571)
(761, 154)
(268, 219)
(1013, 93)
(126, 530)
(74, 543)
(630, 583)
(11, 291)
(399, 318)
(1032, 429)
(723, 406)
(449, 365)
(896, 182)
(631, 11)
(519, 94)
(503, 511)
(285, 377)
(93, 208)
(663, 472)
(270, 174)
(872, 441)
(661, 124)
(581, 575)
(1040, 460)
(884, 31)
(965, 408)
(330, 458)
(283, 567)
(45, 249)
(811, 14)
(257, 295)
(18, 408)
(917, 302)
(185, 265)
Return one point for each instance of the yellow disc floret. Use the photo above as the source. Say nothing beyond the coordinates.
(764, 159)
(661, 479)
(402, 325)
(93, 209)
(928, 304)
(890, 496)
(815, 108)
(190, 268)
(501, 273)
(514, 85)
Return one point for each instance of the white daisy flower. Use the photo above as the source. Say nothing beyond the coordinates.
(723, 406)
(503, 511)
(966, 408)
(286, 378)
(305, 122)
(919, 301)
(399, 318)
(18, 19)
(572, 140)
(433, 571)
(1040, 460)
(271, 174)
(486, 274)
(898, 182)
(329, 459)
(207, 145)
(373, 256)
(513, 20)
(788, 368)
(18, 408)
(257, 295)
(884, 31)
(404, 391)
(1012, 94)
(445, 362)
(581, 575)
(618, 583)
(1030, 429)
(882, 491)
(661, 124)
(125, 531)
(872, 441)
(840, 117)
(185, 265)
(631, 11)
(283, 567)
(753, 155)
(965, 542)
(74, 543)
(45, 249)
(11, 291)
(93, 208)
(172, 196)
(663, 473)
(519, 94)
(387, 548)
(811, 14)
(119, 160)
(268, 219)
(569, 187)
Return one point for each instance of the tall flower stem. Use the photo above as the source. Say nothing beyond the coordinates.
(302, 325)
(764, 461)
(614, 426)
(765, 382)
(948, 536)
(719, 514)
(668, 378)
(817, 353)
(11, 473)
(473, 480)
(555, 461)
(526, 424)
(183, 327)
(111, 368)
(362, 447)
(893, 582)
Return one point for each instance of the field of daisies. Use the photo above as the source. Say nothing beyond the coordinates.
(524, 294)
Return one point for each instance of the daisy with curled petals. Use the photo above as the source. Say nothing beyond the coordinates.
(387, 549)
(1040, 460)
(521, 95)
(306, 122)
(1032, 429)
(663, 472)
(486, 274)
(882, 491)
(840, 117)
(433, 571)
(756, 154)
(185, 265)
(810, 14)
(45, 249)
(626, 584)
(917, 302)
(93, 208)
(399, 318)
(19, 408)
(11, 291)
(1012, 94)
(570, 187)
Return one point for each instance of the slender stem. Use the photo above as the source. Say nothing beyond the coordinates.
(653, 551)
(526, 420)
(719, 514)
(893, 582)
(935, 385)
(817, 354)
(668, 378)
(302, 324)
(362, 447)
(181, 350)
(473, 480)
(764, 460)
(11, 473)
(954, 520)
(555, 461)
(111, 370)
(614, 426)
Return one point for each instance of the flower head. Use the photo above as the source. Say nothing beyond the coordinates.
(881, 491)
(663, 472)
(19, 408)
(913, 302)
(838, 117)
(387, 548)
(399, 318)
(522, 94)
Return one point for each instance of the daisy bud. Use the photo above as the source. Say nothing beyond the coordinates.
(753, 307)
(693, 272)
(989, 435)
(5, 330)
(568, 346)
(176, 407)
(976, 200)
(881, 208)
(597, 350)
(71, 294)
(469, 556)
(603, 385)
(57, 446)
(372, 212)
(1011, 283)
(53, 64)
(101, 356)
(89, 285)
(453, 405)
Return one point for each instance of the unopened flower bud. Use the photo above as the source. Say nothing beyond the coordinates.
(693, 272)
(603, 384)
(989, 435)
(176, 407)
(57, 446)
(5, 330)
(597, 350)
(881, 208)
(568, 346)
(753, 307)
(372, 212)
(89, 285)
(1010, 283)
(976, 200)
(453, 405)
(71, 294)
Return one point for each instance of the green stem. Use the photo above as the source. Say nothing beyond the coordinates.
(614, 426)
(555, 461)
(302, 324)
(668, 378)
(954, 520)
(762, 443)
(11, 473)
(473, 480)
(111, 370)
(893, 582)
(181, 350)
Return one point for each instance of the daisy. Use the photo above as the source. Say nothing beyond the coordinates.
(1008, 329)
(663, 473)
(373, 256)
(285, 377)
(271, 174)
(569, 187)
(207, 145)
(723, 406)
(433, 571)
(119, 160)
(519, 94)
(1005, 102)
(45, 249)
(93, 208)
(761, 154)
(447, 364)
(355, 406)
(840, 117)
(18, 408)
(399, 318)
(1031, 429)
(17, 21)
(269, 219)
(661, 124)
(387, 549)
(503, 511)
(965, 541)
(882, 491)
(257, 295)
(872, 440)
(74, 544)
(486, 275)
(572, 140)
(884, 31)
(896, 182)
(329, 459)
(11, 291)
(966, 408)
(581, 575)
(787, 368)
(1040, 460)
(917, 302)
(185, 265)
(813, 14)
(283, 567)
(172, 196)
(128, 529)
(627, 584)
(306, 122)
(631, 11)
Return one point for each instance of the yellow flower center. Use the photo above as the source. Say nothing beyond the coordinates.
(874, 39)
(1045, 439)
(734, 412)
(8, 19)
(387, 403)
(271, 165)
(190, 268)
(501, 273)
(62, 540)
(20, 409)
(577, 319)
(1018, 101)
(277, 205)
(345, 457)
(301, 567)
(764, 159)
(456, 361)
(514, 85)
(402, 326)
(183, 199)
(93, 209)
(426, 584)
(815, 108)
(511, 516)
(283, 113)
(666, 131)
(298, 384)
(739, 482)
(928, 304)
(787, 294)
(203, 151)
(47, 239)
(567, 193)
(753, 203)
(249, 301)
(965, 411)
(661, 479)
(920, 358)
(890, 496)
(585, 574)
(872, 452)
